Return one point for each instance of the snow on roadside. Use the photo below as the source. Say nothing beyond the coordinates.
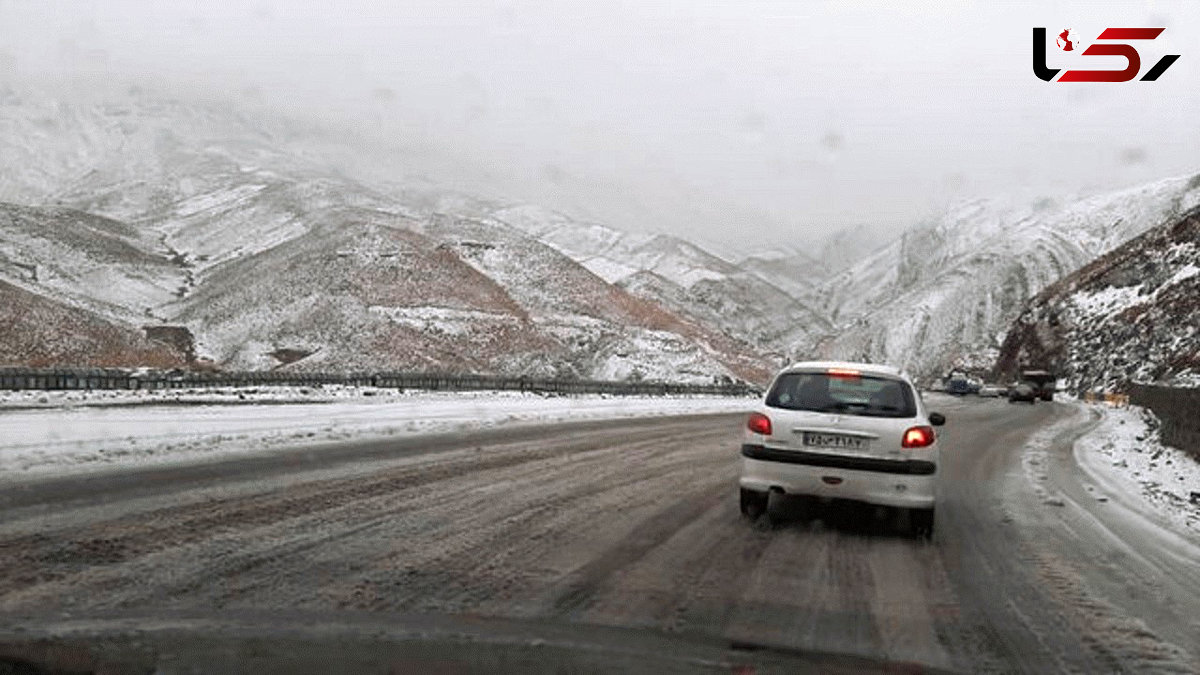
(1125, 454)
(62, 439)
(10, 400)
(1035, 460)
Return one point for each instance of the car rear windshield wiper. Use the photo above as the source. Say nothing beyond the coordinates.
(890, 411)
(839, 406)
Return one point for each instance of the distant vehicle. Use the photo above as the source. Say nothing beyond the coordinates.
(992, 391)
(960, 385)
(1023, 391)
(1043, 382)
(837, 430)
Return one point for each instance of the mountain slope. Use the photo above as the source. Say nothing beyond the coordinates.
(358, 291)
(742, 305)
(615, 255)
(37, 331)
(75, 257)
(847, 246)
(1132, 315)
(613, 330)
(369, 290)
(797, 274)
(943, 295)
(748, 302)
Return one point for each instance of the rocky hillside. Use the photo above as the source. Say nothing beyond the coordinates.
(945, 293)
(38, 331)
(1132, 315)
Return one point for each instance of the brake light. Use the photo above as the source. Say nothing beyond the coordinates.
(759, 424)
(843, 372)
(918, 437)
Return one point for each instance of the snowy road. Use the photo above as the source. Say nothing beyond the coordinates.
(585, 529)
(119, 430)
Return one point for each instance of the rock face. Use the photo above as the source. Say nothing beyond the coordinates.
(945, 294)
(1132, 315)
(178, 338)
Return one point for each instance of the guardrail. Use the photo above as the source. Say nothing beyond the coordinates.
(1177, 408)
(111, 378)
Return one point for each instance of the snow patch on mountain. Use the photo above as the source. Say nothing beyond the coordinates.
(438, 319)
(1108, 299)
(616, 255)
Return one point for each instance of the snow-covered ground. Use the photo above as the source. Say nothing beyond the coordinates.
(69, 434)
(15, 400)
(1124, 455)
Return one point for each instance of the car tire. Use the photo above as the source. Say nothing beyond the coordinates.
(778, 508)
(753, 504)
(921, 522)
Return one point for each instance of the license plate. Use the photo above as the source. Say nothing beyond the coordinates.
(834, 441)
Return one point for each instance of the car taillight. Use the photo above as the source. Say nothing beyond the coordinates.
(759, 424)
(843, 372)
(917, 437)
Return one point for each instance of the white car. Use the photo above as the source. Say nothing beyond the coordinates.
(837, 430)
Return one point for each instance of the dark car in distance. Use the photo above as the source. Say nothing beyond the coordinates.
(1022, 391)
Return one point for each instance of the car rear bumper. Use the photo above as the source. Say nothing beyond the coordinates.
(902, 483)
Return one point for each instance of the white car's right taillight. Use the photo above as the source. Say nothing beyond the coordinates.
(918, 437)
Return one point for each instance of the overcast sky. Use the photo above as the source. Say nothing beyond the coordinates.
(777, 121)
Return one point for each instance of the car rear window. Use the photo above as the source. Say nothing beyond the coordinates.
(854, 395)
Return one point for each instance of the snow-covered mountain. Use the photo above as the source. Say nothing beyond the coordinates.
(945, 293)
(847, 246)
(1132, 315)
(144, 211)
(798, 274)
(759, 299)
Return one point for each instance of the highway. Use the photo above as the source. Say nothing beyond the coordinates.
(596, 546)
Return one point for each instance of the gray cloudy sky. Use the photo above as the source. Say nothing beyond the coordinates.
(773, 121)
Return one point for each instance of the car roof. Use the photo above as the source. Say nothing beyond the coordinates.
(869, 368)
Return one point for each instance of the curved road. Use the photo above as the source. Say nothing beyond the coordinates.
(580, 532)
